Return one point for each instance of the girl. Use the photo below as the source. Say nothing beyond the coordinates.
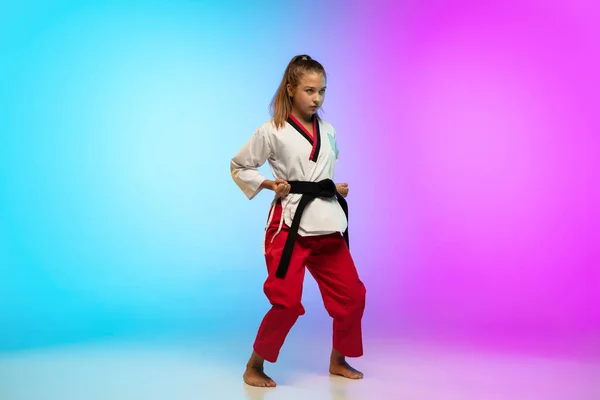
(305, 222)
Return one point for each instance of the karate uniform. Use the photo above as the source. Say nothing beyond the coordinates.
(293, 155)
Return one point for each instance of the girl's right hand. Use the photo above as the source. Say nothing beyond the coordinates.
(281, 187)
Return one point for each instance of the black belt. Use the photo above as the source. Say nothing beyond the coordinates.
(309, 191)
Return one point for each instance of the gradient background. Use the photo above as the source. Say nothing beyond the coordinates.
(468, 132)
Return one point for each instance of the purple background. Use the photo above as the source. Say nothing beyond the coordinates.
(468, 132)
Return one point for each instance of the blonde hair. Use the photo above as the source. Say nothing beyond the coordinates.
(281, 105)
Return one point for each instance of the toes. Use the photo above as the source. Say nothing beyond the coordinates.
(268, 383)
(258, 379)
(357, 374)
(349, 373)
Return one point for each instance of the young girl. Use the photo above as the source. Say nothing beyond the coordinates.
(305, 222)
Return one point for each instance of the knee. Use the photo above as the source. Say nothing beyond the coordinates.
(284, 301)
(291, 310)
(358, 296)
(363, 292)
(353, 303)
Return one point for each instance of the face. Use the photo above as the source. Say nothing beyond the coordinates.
(309, 94)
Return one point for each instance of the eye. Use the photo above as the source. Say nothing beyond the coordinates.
(322, 91)
(309, 90)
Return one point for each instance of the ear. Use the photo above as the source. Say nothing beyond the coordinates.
(290, 89)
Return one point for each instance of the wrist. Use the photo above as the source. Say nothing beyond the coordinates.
(268, 184)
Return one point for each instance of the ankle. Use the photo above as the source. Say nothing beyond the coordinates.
(337, 357)
(255, 362)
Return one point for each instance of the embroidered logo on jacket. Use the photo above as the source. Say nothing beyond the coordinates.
(333, 143)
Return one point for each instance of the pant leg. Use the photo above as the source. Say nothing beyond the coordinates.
(343, 292)
(285, 295)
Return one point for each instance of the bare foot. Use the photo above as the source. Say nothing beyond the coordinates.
(339, 366)
(345, 370)
(254, 376)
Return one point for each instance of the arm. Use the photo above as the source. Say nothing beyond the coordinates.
(267, 184)
(342, 188)
(244, 165)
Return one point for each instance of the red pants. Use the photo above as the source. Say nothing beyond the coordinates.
(329, 261)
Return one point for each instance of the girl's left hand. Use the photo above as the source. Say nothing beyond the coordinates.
(342, 188)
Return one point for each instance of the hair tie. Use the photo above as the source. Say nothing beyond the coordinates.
(303, 57)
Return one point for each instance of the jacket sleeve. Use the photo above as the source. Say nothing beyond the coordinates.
(244, 165)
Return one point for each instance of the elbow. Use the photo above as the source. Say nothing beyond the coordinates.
(234, 169)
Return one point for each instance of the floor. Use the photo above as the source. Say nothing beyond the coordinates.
(183, 369)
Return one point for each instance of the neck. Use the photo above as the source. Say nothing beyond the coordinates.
(307, 119)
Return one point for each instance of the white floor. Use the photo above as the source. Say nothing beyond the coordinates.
(182, 369)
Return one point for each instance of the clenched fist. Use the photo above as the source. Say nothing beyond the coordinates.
(281, 187)
(342, 188)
